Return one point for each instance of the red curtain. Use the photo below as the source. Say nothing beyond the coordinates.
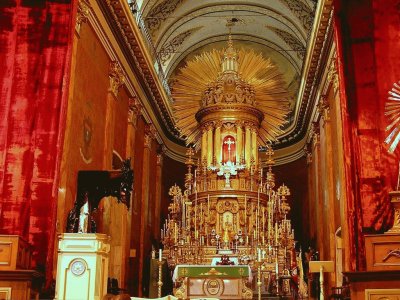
(35, 46)
(367, 35)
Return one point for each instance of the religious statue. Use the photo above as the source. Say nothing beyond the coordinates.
(84, 218)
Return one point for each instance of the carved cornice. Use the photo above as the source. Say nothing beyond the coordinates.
(133, 46)
(117, 77)
(82, 14)
(318, 49)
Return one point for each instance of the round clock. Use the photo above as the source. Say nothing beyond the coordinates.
(78, 267)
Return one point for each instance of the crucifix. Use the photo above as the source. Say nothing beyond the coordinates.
(229, 142)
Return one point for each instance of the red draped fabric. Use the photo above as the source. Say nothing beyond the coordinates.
(229, 149)
(35, 46)
(367, 36)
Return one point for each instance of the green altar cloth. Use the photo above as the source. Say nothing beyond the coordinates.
(211, 271)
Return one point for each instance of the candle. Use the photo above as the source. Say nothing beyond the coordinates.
(176, 232)
(276, 233)
(208, 205)
(160, 255)
(259, 254)
(195, 214)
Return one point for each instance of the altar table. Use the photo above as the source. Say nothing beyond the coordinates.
(222, 282)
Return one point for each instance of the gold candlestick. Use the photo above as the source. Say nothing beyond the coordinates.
(259, 263)
(159, 283)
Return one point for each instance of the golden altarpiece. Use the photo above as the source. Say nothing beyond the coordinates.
(230, 211)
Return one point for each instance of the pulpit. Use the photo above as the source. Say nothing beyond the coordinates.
(381, 280)
(222, 282)
(82, 266)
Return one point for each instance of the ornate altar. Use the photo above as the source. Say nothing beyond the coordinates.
(230, 205)
(222, 282)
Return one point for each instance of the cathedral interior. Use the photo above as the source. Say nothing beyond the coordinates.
(199, 149)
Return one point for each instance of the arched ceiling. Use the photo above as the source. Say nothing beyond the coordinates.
(279, 29)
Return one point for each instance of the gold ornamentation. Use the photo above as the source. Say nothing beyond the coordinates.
(149, 136)
(134, 110)
(392, 112)
(160, 158)
(201, 85)
(213, 272)
(395, 200)
(333, 76)
(323, 108)
(82, 14)
(117, 77)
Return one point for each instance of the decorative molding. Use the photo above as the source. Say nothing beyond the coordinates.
(126, 28)
(308, 155)
(82, 14)
(160, 13)
(319, 46)
(291, 40)
(149, 135)
(315, 134)
(302, 11)
(333, 76)
(173, 45)
(160, 159)
(117, 77)
(134, 111)
(323, 108)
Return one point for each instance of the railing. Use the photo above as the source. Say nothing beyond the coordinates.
(147, 37)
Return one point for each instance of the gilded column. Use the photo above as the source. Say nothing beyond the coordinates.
(254, 146)
(133, 115)
(239, 142)
(247, 146)
(203, 143)
(144, 197)
(327, 162)
(156, 229)
(217, 143)
(209, 144)
(116, 81)
(318, 187)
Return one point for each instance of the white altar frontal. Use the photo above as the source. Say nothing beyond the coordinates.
(210, 281)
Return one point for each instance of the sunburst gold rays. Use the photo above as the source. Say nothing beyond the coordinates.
(267, 81)
(392, 111)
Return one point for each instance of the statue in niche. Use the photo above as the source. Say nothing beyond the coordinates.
(218, 93)
(239, 93)
(94, 186)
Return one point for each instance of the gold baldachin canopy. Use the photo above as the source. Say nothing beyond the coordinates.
(267, 81)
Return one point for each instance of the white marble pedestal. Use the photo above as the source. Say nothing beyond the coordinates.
(82, 267)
